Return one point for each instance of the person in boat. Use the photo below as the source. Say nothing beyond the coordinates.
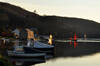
(85, 36)
(50, 39)
(30, 37)
(75, 37)
(23, 36)
(16, 33)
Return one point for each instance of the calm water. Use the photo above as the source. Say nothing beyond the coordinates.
(85, 54)
(75, 54)
(92, 60)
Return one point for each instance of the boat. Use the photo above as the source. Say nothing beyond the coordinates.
(19, 52)
(19, 56)
(41, 48)
(34, 46)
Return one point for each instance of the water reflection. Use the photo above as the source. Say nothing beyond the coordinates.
(92, 60)
(76, 54)
(84, 54)
(67, 50)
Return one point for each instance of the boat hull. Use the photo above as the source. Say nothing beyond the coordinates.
(25, 55)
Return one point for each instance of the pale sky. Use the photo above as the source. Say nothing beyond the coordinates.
(87, 9)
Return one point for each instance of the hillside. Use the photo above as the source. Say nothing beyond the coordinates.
(16, 16)
(64, 26)
(13, 16)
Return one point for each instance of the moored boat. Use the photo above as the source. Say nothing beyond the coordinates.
(41, 48)
(19, 52)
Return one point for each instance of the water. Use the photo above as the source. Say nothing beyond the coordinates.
(85, 54)
(92, 60)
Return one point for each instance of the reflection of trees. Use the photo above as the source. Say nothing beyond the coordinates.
(83, 49)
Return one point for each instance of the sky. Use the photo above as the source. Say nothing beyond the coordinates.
(87, 9)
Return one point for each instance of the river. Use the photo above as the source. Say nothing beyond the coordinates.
(84, 54)
(92, 60)
(69, 54)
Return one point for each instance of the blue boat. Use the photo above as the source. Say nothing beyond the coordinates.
(19, 56)
(19, 52)
(41, 48)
